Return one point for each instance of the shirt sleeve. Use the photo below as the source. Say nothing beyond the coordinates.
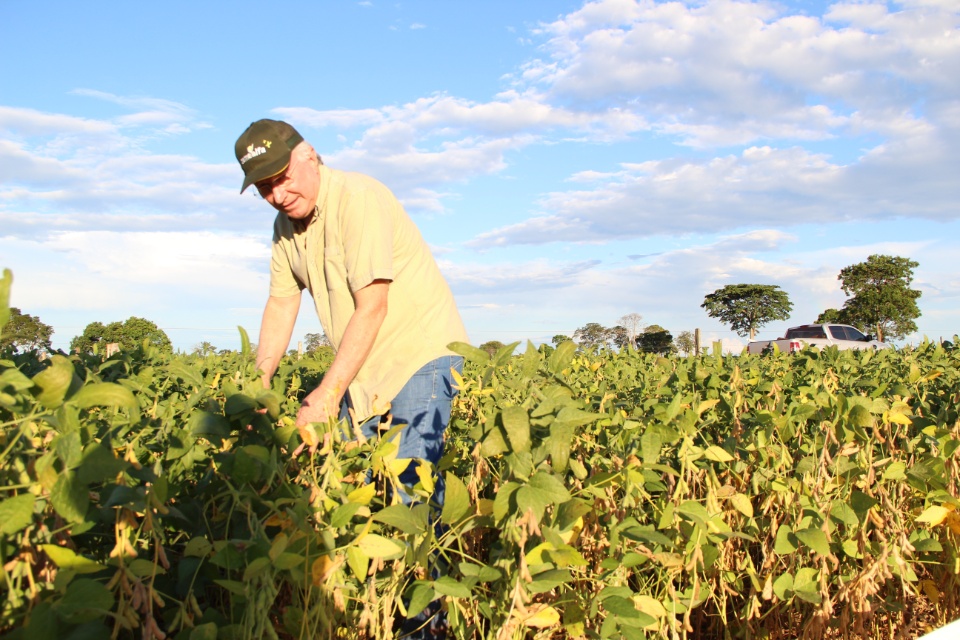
(283, 283)
(367, 232)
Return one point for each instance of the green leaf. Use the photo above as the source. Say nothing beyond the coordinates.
(577, 417)
(68, 559)
(403, 517)
(70, 498)
(68, 448)
(786, 542)
(206, 631)
(244, 343)
(198, 547)
(549, 580)
(807, 585)
(517, 425)
(205, 424)
(105, 394)
(650, 445)
(16, 513)
(783, 586)
(100, 464)
(376, 546)
(449, 587)
(531, 361)
(54, 382)
(421, 594)
(359, 562)
(238, 403)
(286, 561)
(342, 515)
(256, 567)
(5, 283)
(504, 354)
(896, 471)
(456, 503)
(470, 352)
(561, 358)
(550, 486)
(85, 600)
(842, 512)
(559, 443)
(862, 503)
(694, 511)
(815, 539)
(494, 443)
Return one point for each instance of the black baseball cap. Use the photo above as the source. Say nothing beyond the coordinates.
(263, 150)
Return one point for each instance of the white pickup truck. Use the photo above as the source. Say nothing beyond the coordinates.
(841, 336)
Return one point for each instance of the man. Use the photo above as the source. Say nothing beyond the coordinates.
(381, 298)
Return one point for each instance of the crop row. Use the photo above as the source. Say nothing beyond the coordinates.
(603, 496)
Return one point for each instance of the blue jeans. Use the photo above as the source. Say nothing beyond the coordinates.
(423, 404)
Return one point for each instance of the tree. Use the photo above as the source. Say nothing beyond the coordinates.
(685, 342)
(656, 339)
(619, 336)
(747, 307)
(592, 336)
(492, 346)
(24, 332)
(314, 341)
(632, 323)
(129, 334)
(881, 295)
(205, 349)
(559, 338)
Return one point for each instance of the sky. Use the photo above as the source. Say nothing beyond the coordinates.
(568, 162)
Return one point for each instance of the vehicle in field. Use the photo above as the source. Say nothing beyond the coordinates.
(842, 336)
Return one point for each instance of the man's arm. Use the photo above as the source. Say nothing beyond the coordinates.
(358, 337)
(276, 328)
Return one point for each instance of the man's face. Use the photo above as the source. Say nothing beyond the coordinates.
(293, 192)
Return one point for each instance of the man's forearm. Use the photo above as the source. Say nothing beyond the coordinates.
(276, 328)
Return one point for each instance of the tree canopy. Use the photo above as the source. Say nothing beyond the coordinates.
(747, 307)
(315, 341)
(656, 339)
(881, 297)
(685, 342)
(492, 346)
(24, 332)
(593, 336)
(129, 334)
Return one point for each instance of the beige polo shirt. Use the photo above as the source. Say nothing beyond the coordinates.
(360, 233)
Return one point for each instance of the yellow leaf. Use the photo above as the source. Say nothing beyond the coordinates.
(323, 567)
(541, 616)
(650, 606)
(933, 515)
(930, 588)
(742, 504)
(363, 495)
(536, 554)
(570, 536)
(485, 506)
(308, 433)
(425, 473)
(899, 418)
(717, 454)
(398, 465)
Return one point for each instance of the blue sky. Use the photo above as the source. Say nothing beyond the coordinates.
(568, 162)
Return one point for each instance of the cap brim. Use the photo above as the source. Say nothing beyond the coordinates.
(263, 173)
